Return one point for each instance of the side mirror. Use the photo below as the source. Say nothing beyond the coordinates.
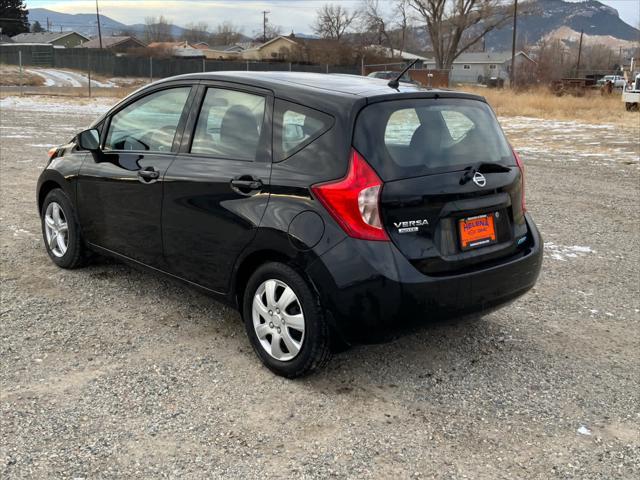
(89, 140)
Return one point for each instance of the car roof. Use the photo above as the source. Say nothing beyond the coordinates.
(331, 92)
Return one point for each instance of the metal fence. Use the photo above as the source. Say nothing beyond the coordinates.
(108, 63)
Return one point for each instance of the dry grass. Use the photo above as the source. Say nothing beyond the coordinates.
(10, 76)
(592, 108)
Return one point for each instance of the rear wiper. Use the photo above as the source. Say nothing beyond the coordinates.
(471, 170)
(395, 83)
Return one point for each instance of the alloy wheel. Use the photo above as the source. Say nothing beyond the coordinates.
(56, 229)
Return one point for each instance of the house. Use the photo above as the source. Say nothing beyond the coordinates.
(223, 52)
(114, 43)
(395, 53)
(178, 49)
(477, 67)
(5, 39)
(278, 48)
(57, 39)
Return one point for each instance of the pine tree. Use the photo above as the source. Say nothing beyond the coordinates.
(13, 17)
(36, 27)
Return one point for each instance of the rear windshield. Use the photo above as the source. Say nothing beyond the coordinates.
(409, 138)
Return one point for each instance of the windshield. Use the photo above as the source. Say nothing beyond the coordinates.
(408, 138)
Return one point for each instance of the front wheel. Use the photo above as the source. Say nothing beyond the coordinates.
(61, 231)
(284, 321)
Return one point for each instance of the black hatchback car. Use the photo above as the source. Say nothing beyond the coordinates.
(321, 206)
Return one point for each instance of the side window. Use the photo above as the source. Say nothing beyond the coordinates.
(229, 125)
(296, 127)
(148, 124)
(401, 126)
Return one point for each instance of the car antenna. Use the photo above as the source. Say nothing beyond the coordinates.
(395, 83)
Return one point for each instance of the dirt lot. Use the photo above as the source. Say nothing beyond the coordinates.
(111, 372)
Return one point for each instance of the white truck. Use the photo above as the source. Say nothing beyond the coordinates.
(631, 95)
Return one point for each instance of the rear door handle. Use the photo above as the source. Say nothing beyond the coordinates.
(252, 184)
(149, 173)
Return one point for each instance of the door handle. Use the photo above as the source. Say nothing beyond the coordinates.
(149, 173)
(246, 184)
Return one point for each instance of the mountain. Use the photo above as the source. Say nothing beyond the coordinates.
(86, 23)
(555, 18)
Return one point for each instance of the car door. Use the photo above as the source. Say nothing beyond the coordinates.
(120, 188)
(217, 189)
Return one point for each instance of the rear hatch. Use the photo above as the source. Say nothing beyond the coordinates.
(452, 195)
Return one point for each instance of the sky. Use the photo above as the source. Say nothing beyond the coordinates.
(290, 15)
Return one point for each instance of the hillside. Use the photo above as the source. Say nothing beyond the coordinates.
(86, 24)
(549, 16)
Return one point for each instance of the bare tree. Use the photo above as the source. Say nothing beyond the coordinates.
(270, 32)
(196, 32)
(332, 21)
(390, 26)
(377, 22)
(402, 7)
(157, 29)
(226, 34)
(456, 25)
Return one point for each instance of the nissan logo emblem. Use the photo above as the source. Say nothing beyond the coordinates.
(479, 179)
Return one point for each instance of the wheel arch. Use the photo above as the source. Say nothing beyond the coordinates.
(44, 189)
(248, 264)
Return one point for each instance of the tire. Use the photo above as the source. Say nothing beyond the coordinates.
(74, 255)
(281, 333)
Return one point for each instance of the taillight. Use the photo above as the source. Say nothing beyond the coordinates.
(521, 167)
(353, 201)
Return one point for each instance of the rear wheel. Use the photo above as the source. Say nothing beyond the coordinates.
(284, 321)
(61, 232)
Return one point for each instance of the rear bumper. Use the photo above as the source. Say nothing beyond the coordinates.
(371, 285)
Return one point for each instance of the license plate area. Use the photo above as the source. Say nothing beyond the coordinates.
(477, 231)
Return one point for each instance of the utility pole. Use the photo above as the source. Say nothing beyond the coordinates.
(264, 25)
(513, 46)
(579, 54)
(99, 30)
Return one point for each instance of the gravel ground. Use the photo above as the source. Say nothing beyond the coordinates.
(112, 372)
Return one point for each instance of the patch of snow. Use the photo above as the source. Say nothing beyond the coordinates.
(564, 252)
(94, 106)
(584, 430)
(61, 78)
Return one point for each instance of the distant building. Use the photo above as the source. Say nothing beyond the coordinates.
(114, 43)
(394, 53)
(178, 49)
(477, 67)
(5, 39)
(223, 52)
(278, 48)
(57, 39)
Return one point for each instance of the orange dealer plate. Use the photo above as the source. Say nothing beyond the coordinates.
(478, 231)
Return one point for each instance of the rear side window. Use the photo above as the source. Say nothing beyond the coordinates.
(148, 124)
(296, 127)
(229, 125)
(406, 138)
